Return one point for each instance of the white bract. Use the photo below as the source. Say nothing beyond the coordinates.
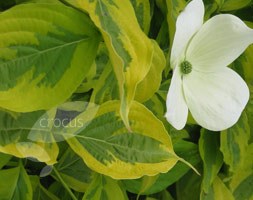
(201, 81)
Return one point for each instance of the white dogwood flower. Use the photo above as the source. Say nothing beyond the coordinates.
(201, 81)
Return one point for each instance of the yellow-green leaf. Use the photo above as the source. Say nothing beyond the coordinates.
(34, 74)
(4, 159)
(244, 189)
(221, 192)
(143, 14)
(104, 188)
(93, 76)
(73, 171)
(218, 191)
(108, 147)
(243, 65)
(241, 181)
(154, 184)
(15, 133)
(145, 90)
(130, 50)
(234, 142)
(106, 88)
(15, 184)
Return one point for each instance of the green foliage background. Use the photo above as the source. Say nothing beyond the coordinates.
(104, 63)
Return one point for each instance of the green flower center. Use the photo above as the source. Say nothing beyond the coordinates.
(186, 67)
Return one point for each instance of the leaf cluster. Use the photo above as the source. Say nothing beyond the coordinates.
(83, 86)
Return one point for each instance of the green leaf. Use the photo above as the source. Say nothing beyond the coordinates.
(218, 191)
(93, 76)
(241, 181)
(157, 105)
(161, 4)
(228, 5)
(243, 65)
(37, 1)
(234, 142)
(15, 133)
(106, 87)
(57, 189)
(163, 36)
(130, 50)
(188, 187)
(104, 188)
(39, 192)
(244, 190)
(211, 9)
(221, 191)
(88, 81)
(4, 159)
(154, 184)
(249, 111)
(174, 7)
(73, 171)
(15, 184)
(143, 13)
(145, 90)
(164, 195)
(109, 148)
(211, 156)
(150, 198)
(33, 73)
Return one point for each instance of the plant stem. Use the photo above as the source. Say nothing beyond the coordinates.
(64, 184)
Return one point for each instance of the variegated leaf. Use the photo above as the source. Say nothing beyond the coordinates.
(130, 50)
(218, 191)
(154, 184)
(45, 51)
(73, 171)
(104, 188)
(108, 147)
(242, 179)
(234, 142)
(143, 13)
(14, 137)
